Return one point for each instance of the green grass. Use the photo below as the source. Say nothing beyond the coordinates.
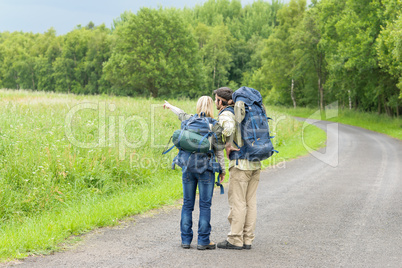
(371, 121)
(43, 233)
(51, 187)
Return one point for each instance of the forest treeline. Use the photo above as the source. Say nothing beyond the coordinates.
(348, 51)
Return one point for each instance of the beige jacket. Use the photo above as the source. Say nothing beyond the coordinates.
(231, 132)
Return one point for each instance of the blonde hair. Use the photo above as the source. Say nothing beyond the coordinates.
(205, 105)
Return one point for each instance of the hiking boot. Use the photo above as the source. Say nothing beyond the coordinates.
(246, 246)
(210, 246)
(226, 245)
(186, 246)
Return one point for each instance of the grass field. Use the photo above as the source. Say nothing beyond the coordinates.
(69, 164)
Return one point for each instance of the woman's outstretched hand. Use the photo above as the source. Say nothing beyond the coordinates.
(167, 105)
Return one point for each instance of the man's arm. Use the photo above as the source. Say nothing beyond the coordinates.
(226, 120)
(240, 113)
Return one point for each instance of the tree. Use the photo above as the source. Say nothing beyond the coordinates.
(123, 18)
(48, 48)
(68, 73)
(217, 57)
(154, 52)
(98, 52)
(18, 63)
(90, 25)
(350, 36)
(258, 18)
(308, 50)
(79, 67)
(389, 49)
(279, 57)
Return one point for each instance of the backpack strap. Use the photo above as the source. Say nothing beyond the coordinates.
(228, 108)
(220, 172)
(237, 159)
(179, 139)
(165, 152)
(185, 127)
(168, 150)
(254, 124)
(219, 184)
(203, 138)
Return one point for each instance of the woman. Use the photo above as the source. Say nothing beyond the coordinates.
(204, 180)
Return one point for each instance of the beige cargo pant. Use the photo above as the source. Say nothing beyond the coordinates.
(242, 196)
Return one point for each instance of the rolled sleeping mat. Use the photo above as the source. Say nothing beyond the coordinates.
(190, 141)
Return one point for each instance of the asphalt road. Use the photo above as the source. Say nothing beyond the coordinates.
(341, 207)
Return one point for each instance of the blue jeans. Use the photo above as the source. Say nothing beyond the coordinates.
(205, 183)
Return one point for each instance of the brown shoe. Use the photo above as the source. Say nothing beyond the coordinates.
(210, 246)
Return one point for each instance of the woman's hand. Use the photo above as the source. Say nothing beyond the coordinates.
(167, 105)
(221, 177)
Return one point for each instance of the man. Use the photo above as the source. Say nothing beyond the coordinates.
(225, 106)
(244, 175)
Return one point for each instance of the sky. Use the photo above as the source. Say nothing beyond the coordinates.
(38, 16)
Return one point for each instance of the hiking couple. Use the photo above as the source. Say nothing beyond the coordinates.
(232, 133)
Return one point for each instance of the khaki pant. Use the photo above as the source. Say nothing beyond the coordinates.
(242, 195)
